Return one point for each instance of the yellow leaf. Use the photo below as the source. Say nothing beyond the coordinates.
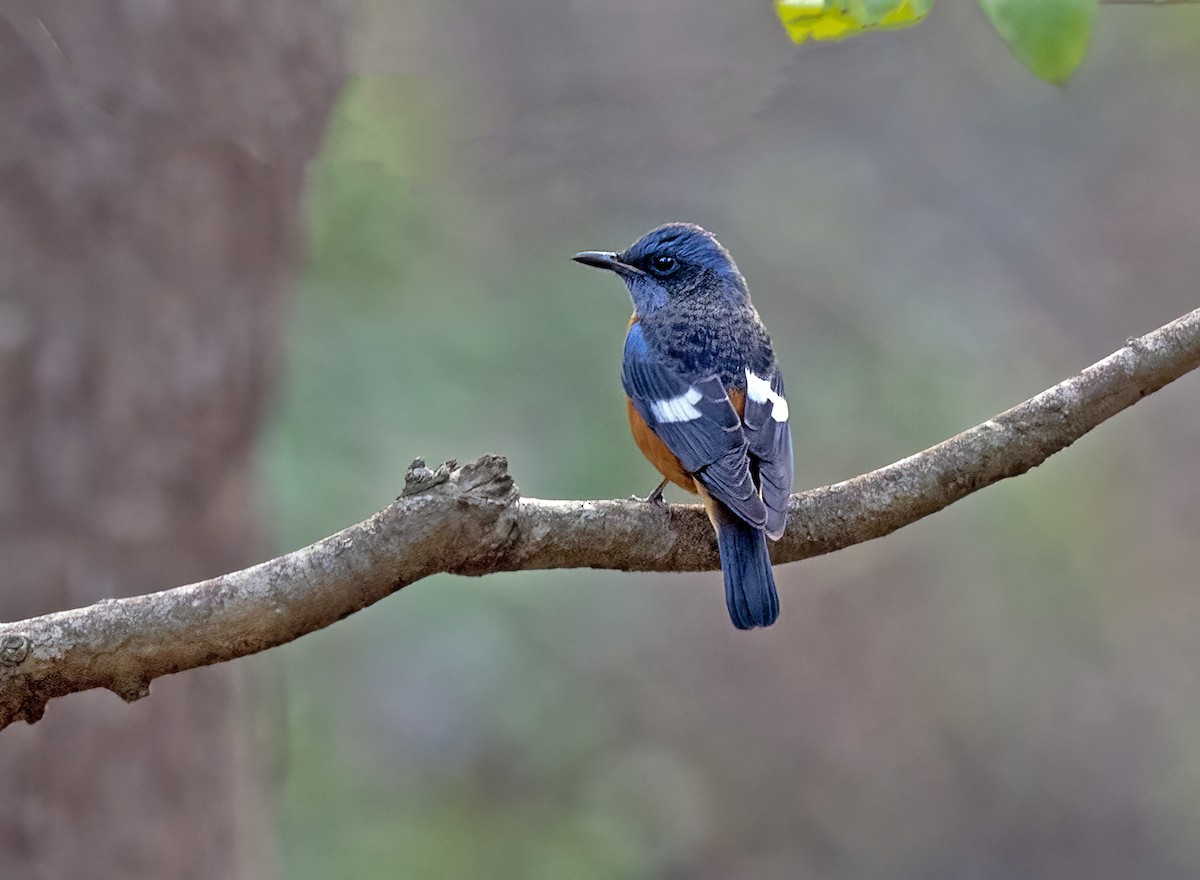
(836, 19)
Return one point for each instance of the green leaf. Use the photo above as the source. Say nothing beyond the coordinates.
(836, 19)
(1050, 37)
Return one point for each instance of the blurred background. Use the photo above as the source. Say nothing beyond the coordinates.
(362, 236)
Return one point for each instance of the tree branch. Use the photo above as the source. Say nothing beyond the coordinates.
(470, 520)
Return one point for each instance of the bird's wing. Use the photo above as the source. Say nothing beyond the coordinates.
(765, 421)
(698, 423)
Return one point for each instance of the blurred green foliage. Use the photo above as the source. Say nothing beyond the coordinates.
(1001, 690)
(406, 343)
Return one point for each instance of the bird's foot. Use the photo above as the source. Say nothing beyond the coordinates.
(656, 497)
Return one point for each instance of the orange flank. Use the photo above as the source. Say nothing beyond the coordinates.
(664, 460)
(656, 452)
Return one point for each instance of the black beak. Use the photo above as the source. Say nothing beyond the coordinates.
(606, 260)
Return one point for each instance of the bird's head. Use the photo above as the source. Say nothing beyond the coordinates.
(672, 263)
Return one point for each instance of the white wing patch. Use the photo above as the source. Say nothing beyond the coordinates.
(677, 409)
(759, 390)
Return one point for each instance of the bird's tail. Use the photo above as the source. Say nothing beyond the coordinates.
(749, 584)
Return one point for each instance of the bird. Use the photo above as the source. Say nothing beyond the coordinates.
(705, 399)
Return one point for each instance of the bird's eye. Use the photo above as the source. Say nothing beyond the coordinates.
(664, 264)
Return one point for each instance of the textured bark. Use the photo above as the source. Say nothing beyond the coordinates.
(151, 160)
(472, 521)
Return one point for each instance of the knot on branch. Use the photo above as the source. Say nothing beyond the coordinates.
(418, 478)
(479, 524)
(486, 477)
(14, 650)
(485, 483)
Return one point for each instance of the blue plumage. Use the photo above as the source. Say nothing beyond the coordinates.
(711, 446)
(750, 594)
(770, 445)
(706, 398)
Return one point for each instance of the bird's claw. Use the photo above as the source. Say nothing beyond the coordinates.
(656, 497)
